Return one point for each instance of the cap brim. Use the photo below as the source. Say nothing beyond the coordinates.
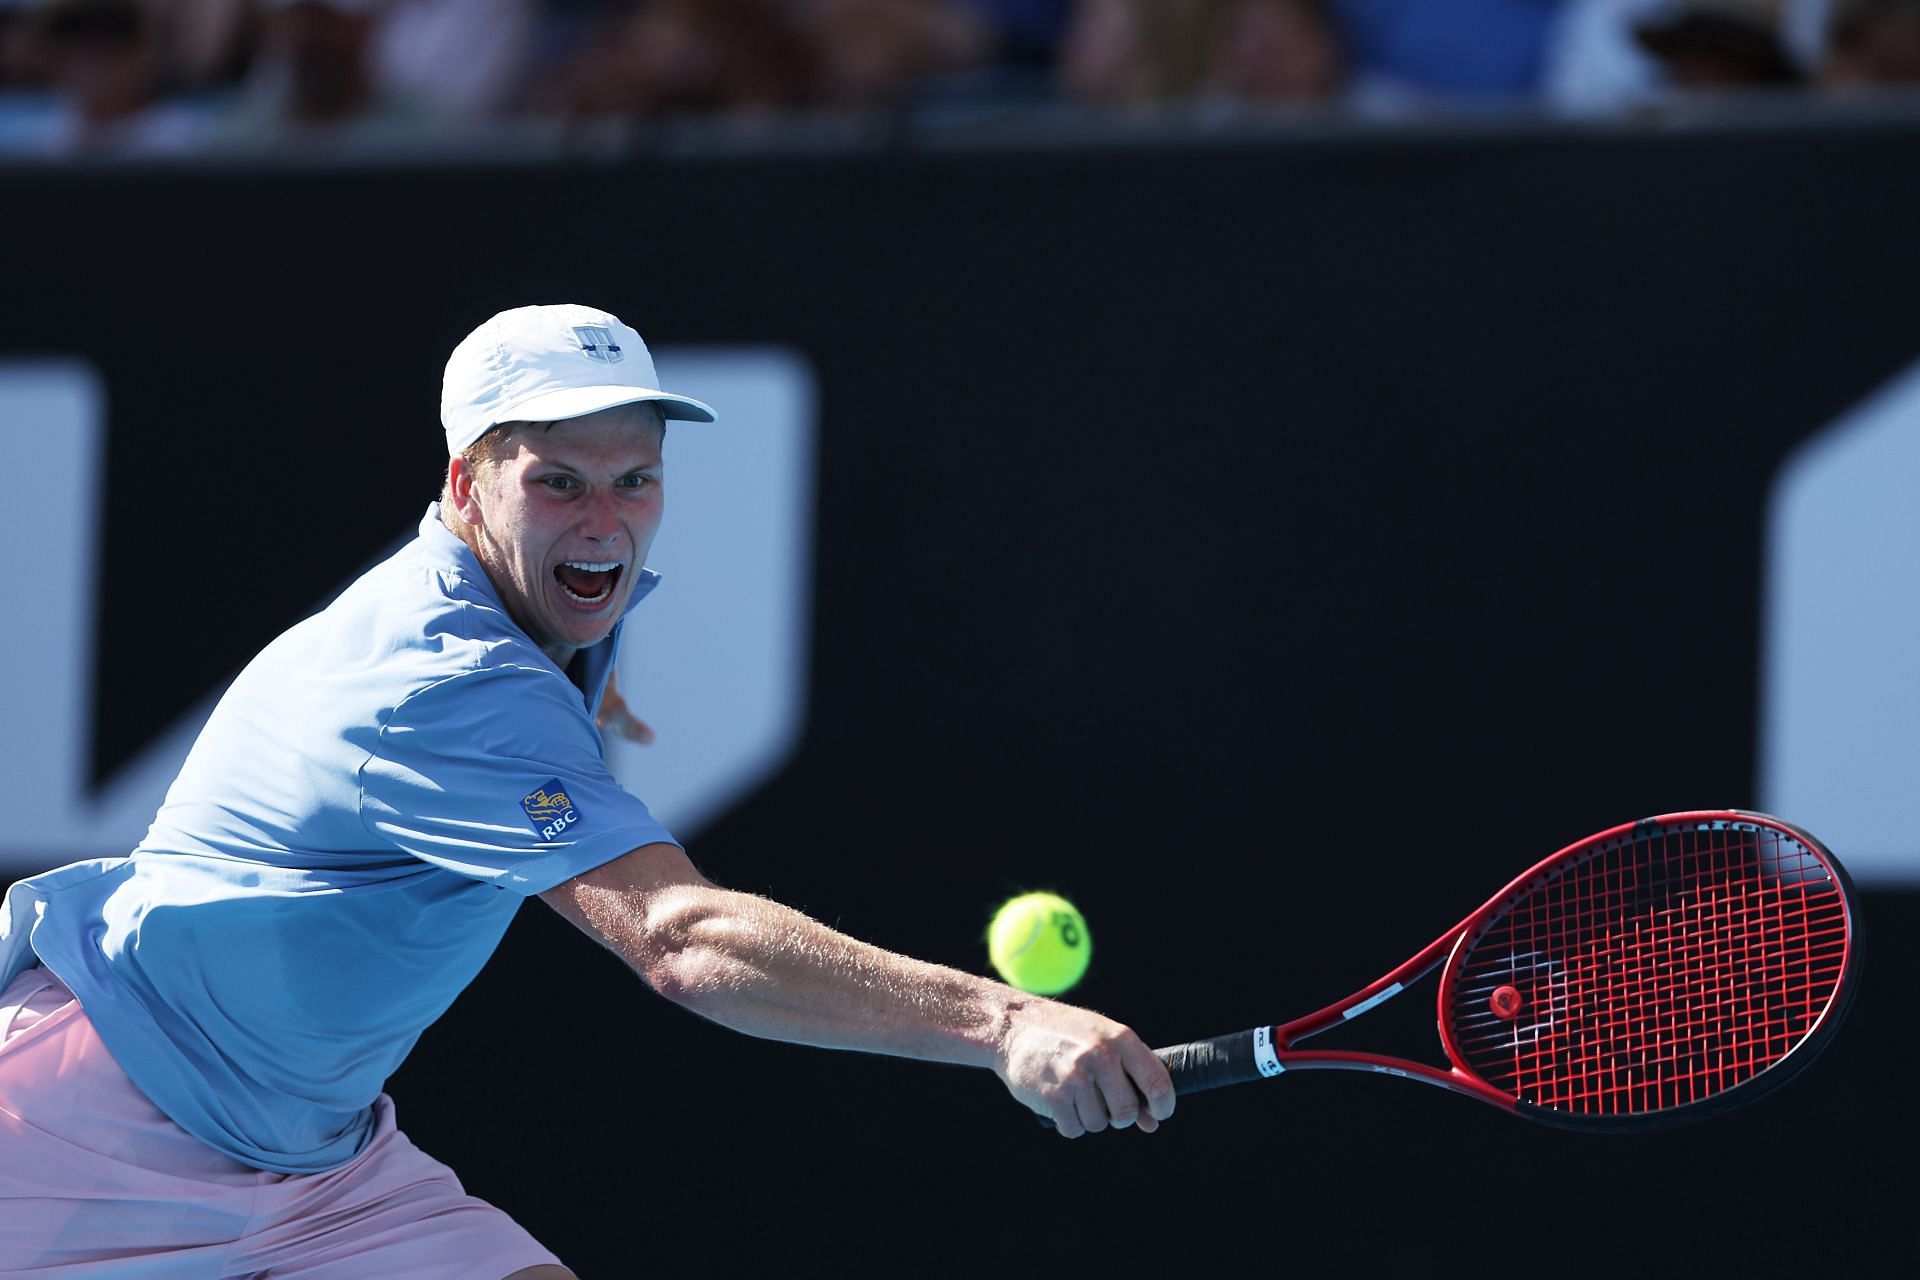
(575, 402)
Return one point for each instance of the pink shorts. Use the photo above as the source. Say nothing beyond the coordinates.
(95, 1182)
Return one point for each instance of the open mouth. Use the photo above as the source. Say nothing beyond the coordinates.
(588, 582)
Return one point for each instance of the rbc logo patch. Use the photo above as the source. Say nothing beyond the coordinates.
(549, 809)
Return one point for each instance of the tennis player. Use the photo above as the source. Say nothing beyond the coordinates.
(194, 1039)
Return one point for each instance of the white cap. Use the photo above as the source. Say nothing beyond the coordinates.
(544, 364)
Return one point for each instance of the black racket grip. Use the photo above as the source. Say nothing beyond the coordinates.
(1208, 1064)
(1212, 1064)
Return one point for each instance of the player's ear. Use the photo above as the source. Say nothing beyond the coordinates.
(463, 490)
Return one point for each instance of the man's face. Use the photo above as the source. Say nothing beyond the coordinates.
(562, 523)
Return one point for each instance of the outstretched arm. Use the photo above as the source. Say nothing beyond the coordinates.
(767, 970)
(617, 719)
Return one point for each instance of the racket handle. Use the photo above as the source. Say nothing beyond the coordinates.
(1211, 1064)
(1223, 1060)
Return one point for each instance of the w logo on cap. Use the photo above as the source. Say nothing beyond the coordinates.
(596, 341)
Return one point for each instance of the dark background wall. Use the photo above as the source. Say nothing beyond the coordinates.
(1273, 545)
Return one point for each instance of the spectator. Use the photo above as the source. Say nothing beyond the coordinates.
(1720, 44)
(1277, 51)
(1594, 62)
(204, 43)
(22, 60)
(100, 55)
(755, 56)
(1449, 49)
(313, 59)
(457, 59)
(1873, 43)
(674, 56)
(870, 53)
(1024, 31)
(103, 60)
(1136, 52)
(1600, 60)
(313, 81)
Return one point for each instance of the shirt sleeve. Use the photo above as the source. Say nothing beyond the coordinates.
(498, 775)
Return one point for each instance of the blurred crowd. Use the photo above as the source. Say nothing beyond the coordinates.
(183, 77)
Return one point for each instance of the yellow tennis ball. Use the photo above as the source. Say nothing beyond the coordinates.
(1039, 943)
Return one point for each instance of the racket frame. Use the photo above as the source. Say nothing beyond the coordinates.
(1273, 1050)
(1279, 1054)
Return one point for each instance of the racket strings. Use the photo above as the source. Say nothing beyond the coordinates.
(1654, 972)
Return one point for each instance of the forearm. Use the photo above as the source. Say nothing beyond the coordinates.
(762, 968)
(767, 970)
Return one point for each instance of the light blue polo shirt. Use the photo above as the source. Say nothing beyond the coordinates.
(369, 804)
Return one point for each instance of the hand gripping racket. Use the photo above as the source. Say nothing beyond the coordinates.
(1655, 973)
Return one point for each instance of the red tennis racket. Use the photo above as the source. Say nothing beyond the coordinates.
(1652, 974)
